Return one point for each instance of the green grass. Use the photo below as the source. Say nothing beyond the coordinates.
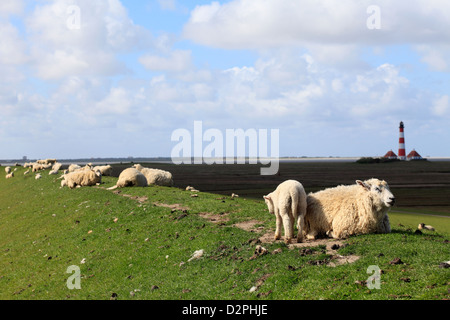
(45, 229)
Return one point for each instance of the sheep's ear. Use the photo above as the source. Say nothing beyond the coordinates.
(362, 184)
(267, 197)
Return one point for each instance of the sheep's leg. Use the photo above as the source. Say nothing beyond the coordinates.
(279, 225)
(300, 228)
(287, 226)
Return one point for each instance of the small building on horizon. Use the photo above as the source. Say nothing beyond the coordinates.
(390, 155)
(414, 155)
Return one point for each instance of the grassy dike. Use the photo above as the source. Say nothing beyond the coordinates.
(134, 245)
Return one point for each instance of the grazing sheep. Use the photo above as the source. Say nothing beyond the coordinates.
(10, 175)
(105, 170)
(8, 170)
(343, 211)
(130, 177)
(288, 203)
(156, 176)
(81, 178)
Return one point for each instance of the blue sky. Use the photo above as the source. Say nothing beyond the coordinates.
(119, 78)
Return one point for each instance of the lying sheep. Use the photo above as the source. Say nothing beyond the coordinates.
(81, 178)
(288, 203)
(8, 170)
(105, 170)
(74, 167)
(343, 211)
(423, 226)
(38, 176)
(27, 172)
(130, 177)
(156, 176)
(10, 175)
(38, 167)
(57, 166)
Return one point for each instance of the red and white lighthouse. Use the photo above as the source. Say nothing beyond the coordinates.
(401, 143)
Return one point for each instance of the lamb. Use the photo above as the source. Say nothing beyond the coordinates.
(130, 177)
(38, 176)
(81, 178)
(156, 176)
(105, 170)
(10, 175)
(288, 203)
(348, 210)
(8, 170)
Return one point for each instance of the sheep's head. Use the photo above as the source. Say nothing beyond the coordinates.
(269, 202)
(380, 192)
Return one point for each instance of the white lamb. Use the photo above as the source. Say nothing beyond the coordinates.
(81, 178)
(38, 176)
(288, 203)
(343, 211)
(130, 177)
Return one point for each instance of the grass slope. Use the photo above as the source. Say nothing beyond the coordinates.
(138, 250)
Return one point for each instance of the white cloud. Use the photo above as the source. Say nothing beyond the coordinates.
(177, 61)
(105, 30)
(441, 106)
(333, 31)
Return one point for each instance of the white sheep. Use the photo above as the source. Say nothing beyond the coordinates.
(130, 177)
(57, 166)
(27, 172)
(74, 167)
(105, 170)
(53, 172)
(38, 176)
(8, 170)
(344, 211)
(81, 178)
(288, 203)
(423, 226)
(10, 175)
(156, 176)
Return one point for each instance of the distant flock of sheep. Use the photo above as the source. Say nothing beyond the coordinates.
(337, 212)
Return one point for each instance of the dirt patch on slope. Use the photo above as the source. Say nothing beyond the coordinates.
(175, 206)
(215, 218)
(331, 247)
(249, 225)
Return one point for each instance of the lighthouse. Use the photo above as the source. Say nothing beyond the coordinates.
(401, 143)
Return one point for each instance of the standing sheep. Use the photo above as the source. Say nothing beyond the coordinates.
(82, 178)
(288, 203)
(130, 177)
(343, 211)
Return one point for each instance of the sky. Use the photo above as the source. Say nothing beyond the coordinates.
(111, 78)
